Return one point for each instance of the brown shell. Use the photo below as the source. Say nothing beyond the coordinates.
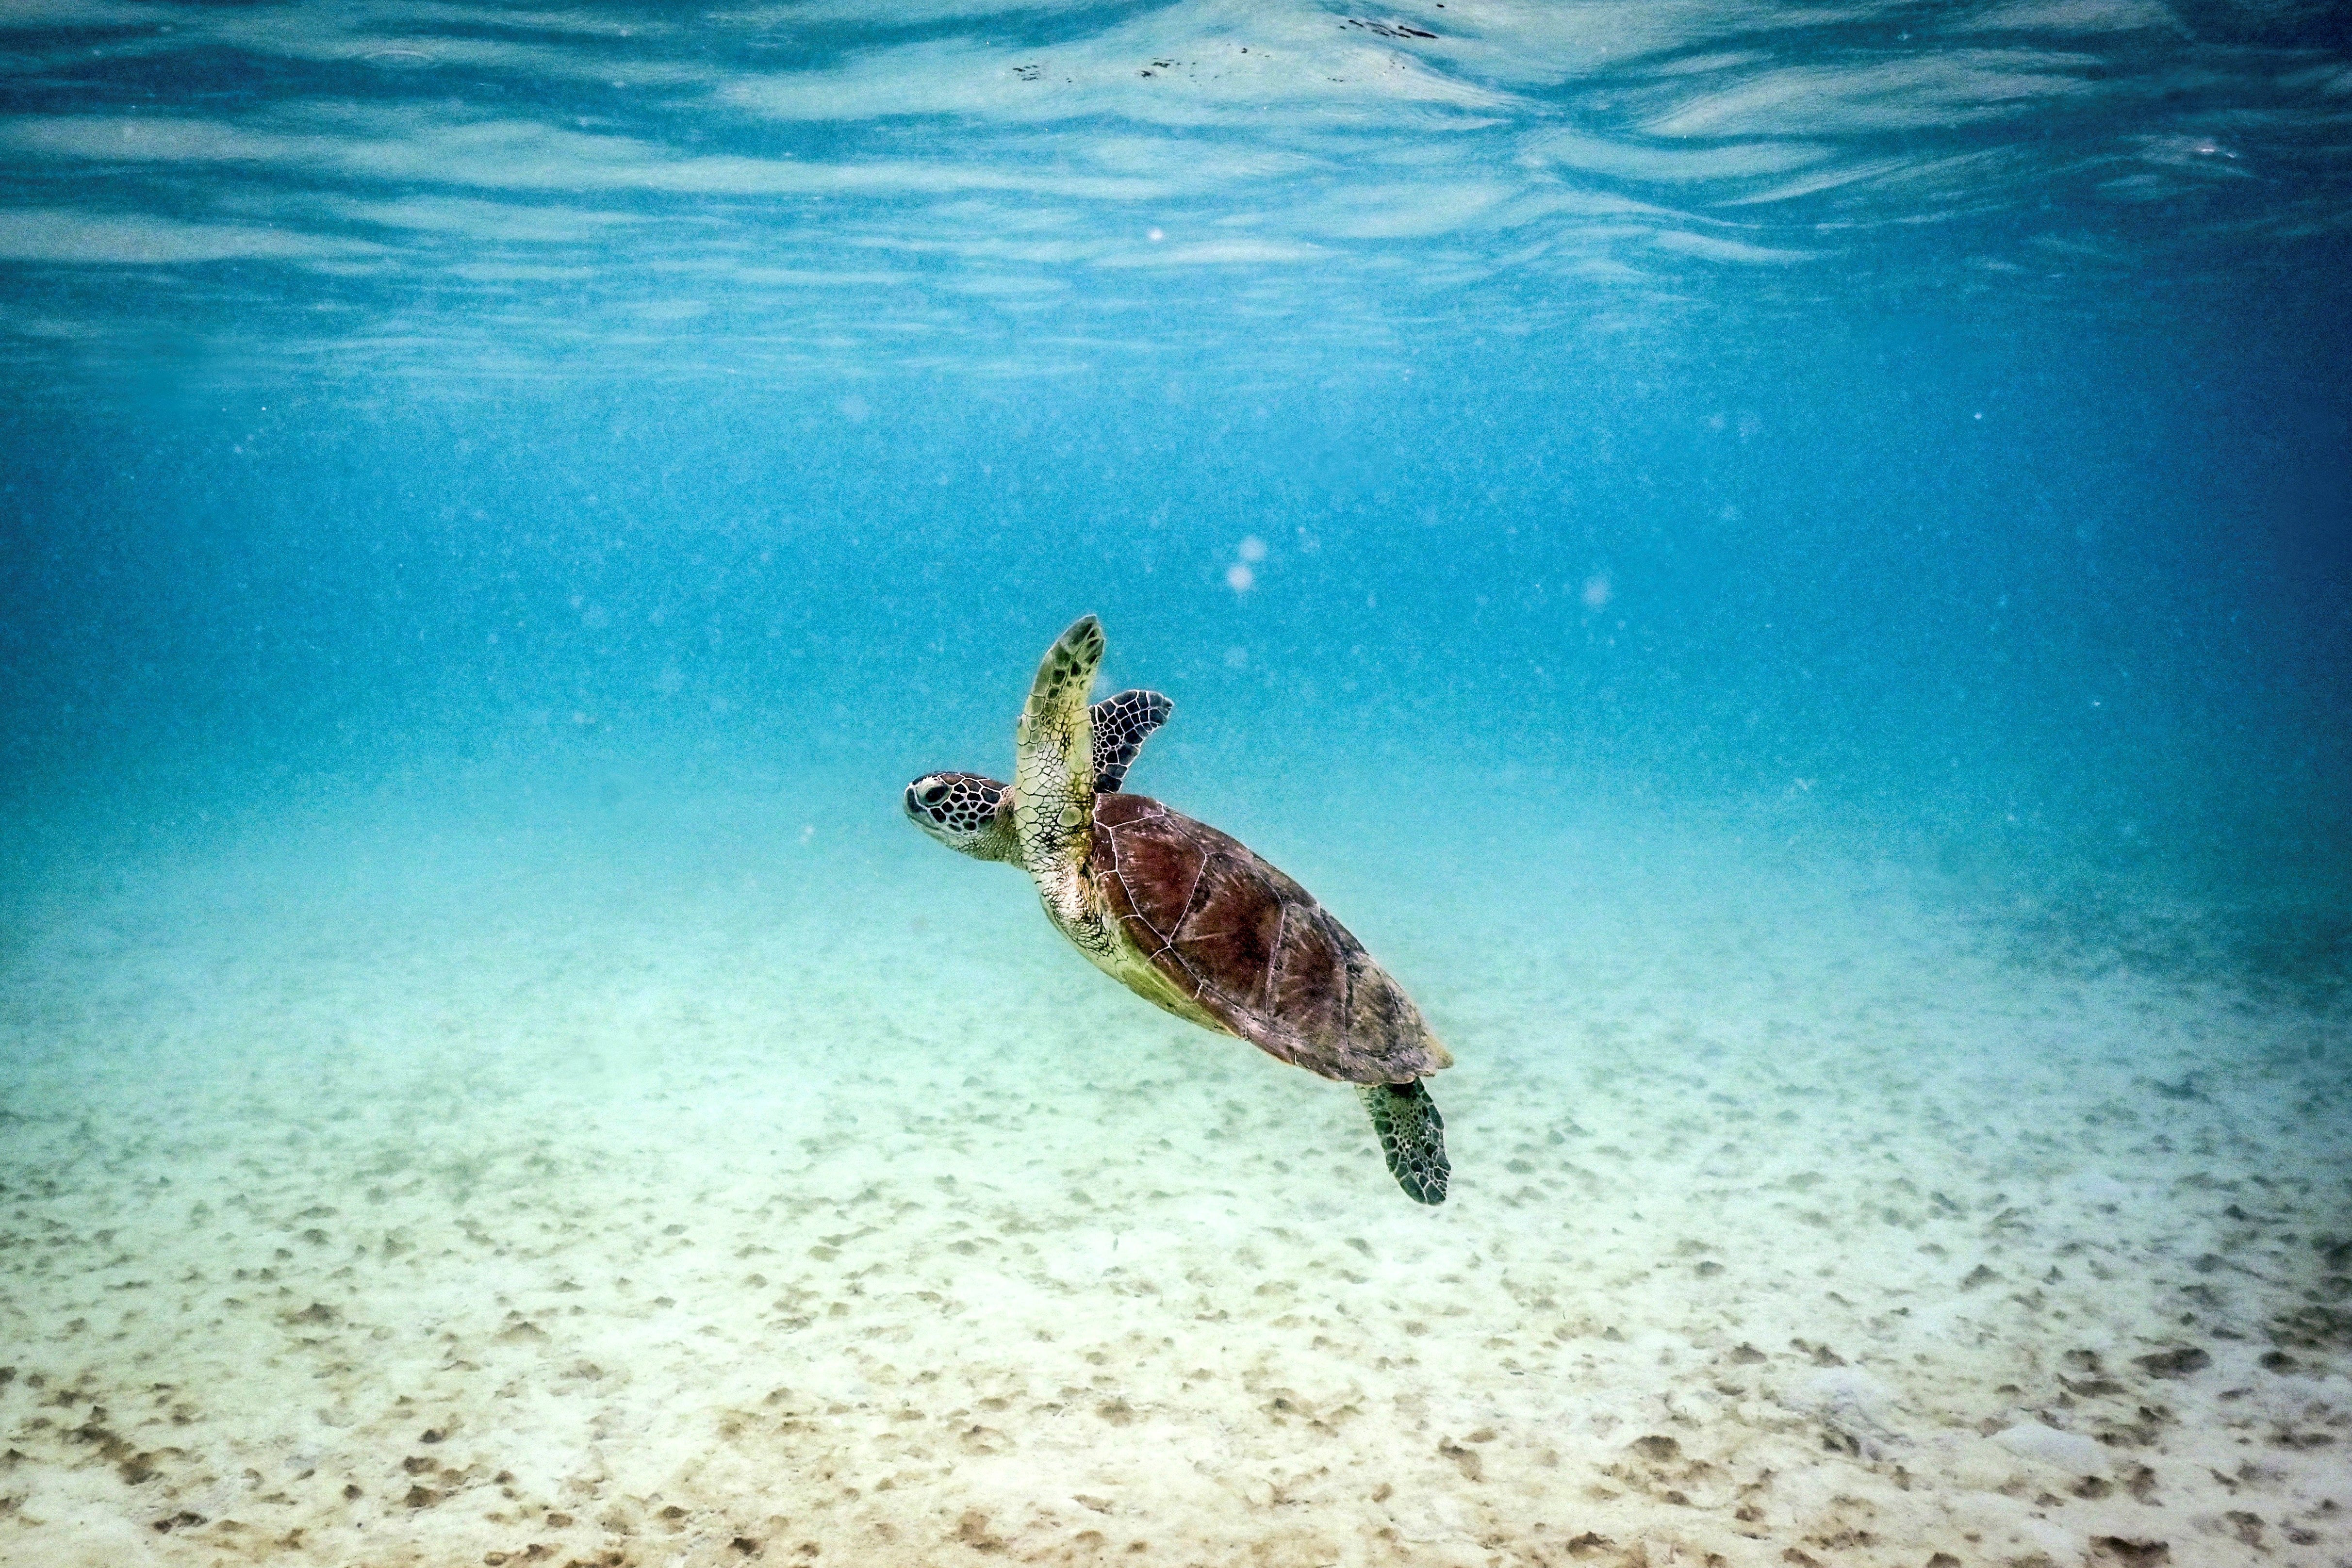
(1253, 949)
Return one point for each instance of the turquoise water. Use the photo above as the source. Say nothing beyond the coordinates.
(1786, 572)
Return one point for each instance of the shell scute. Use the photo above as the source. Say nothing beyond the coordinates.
(1232, 934)
(1307, 963)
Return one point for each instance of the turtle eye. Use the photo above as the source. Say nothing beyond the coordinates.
(935, 794)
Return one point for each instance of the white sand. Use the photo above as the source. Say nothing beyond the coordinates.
(645, 1184)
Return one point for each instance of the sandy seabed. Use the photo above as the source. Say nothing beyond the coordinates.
(700, 1181)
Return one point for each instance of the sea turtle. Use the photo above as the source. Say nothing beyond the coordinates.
(1183, 915)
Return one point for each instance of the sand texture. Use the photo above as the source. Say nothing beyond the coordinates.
(652, 1181)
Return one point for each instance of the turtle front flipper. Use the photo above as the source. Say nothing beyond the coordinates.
(1053, 781)
(1122, 724)
(1412, 1138)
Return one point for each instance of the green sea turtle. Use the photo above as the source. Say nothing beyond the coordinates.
(1183, 915)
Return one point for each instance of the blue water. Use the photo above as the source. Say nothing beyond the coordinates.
(1913, 442)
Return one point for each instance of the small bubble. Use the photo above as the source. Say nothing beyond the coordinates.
(1240, 579)
(1252, 549)
(1154, 236)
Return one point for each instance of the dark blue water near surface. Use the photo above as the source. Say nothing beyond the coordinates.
(1924, 437)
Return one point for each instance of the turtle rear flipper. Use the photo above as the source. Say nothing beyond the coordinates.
(1412, 1138)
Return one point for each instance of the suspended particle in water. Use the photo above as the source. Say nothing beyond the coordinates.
(1240, 579)
(1597, 591)
(1154, 236)
(1252, 549)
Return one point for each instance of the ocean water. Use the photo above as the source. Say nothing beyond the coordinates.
(1786, 570)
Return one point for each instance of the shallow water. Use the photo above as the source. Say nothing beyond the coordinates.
(628, 1177)
(1785, 574)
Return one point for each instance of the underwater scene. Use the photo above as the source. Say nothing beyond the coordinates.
(1496, 782)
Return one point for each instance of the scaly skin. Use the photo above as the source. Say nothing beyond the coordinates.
(1054, 784)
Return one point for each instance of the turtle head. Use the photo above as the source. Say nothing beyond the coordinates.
(970, 815)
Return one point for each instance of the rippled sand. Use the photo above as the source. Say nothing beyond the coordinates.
(651, 1181)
